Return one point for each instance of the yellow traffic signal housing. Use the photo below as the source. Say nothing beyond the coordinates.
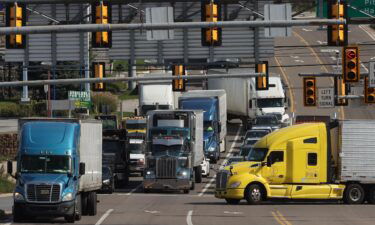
(179, 84)
(15, 17)
(101, 15)
(99, 72)
(341, 89)
(211, 12)
(369, 92)
(262, 82)
(337, 34)
(350, 64)
(309, 91)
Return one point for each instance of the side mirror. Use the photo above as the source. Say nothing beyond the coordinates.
(269, 161)
(82, 168)
(10, 167)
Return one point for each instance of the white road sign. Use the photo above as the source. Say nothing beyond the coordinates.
(371, 75)
(326, 98)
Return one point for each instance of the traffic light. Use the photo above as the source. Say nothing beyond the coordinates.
(15, 17)
(262, 82)
(211, 12)
(309, 91)
(341, 89)
(99, 72)
(179, 84)
(369, 92)
(337, 34)
(101, 14)
(350, 64)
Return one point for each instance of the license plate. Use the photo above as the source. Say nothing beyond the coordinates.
(44, 192)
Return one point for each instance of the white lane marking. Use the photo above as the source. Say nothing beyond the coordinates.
(188, 218)
(307, 30)
(299, 61)
(329, 50)
(152, 212)
(223, 163)
(106, 214)
(6, 223)
(295, 56)
(134, 189)
(234, 213)
(322, 42)
(365, 29)
(372, 58)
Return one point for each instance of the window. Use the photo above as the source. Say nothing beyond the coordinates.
(277, 156)
(312, 159)
(310, 141)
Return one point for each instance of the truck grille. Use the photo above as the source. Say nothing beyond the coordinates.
(221, 179)
(166, 168)
(43, 192)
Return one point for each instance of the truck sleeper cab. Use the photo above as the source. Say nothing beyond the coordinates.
(58, 169)
(292, 163)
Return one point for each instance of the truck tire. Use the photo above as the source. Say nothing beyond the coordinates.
(84, 203)
(17, 214)
(92, 204)
(371, 195)
(254, 194)
(198, 174)
(354, 194)
(231, 201)
(192, 187)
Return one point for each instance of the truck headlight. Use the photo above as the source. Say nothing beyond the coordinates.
(106, 181)
(18, 197)
(211, 148)
(149, 174)
(68, 197)
(235, 184)
(183, 174)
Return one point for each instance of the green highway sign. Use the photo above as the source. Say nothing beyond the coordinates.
(82, 104)
(367, 6)
(79, 95)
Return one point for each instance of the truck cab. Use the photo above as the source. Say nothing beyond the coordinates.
(211, 124)
(136, 148)
(168, 164)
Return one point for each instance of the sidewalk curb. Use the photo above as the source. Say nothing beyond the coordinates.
(6, 195)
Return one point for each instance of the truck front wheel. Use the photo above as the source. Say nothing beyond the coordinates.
(92, 204)
(254, 194)
(354, 194)
(17, 214)
(198, 174)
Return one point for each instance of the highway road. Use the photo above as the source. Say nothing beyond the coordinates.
(304, 52)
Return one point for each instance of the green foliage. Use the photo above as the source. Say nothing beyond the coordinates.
(116, 87)
(6, 186)
(100, 99)
(14, 109)
(129, 95)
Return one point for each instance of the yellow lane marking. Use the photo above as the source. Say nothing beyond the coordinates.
(277, 218)
(341, 108)
(283, 218)
(291, 93)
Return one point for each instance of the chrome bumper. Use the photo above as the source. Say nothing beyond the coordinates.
(166, 184)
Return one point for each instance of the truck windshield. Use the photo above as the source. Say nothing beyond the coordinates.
(111, 146)
(45, 164)
(174, 150)
(136, 126)
(257, 154)
(269, 102)
(173, 132)
(135, 148)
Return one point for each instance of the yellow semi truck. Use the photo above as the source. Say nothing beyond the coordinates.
(134, 125)
(333, 160)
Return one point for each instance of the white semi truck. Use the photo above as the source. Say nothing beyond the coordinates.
(244, 102)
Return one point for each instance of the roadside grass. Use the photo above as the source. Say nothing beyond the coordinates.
(6, 186)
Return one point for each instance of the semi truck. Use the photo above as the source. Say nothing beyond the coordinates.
(214, 105)
(59, 168)
(136, 147)
(319, 160)
(136, 124)
(174, 150)
(245, 103)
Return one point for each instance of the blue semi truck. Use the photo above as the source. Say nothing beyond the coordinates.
(59, 168)
(213, 103)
